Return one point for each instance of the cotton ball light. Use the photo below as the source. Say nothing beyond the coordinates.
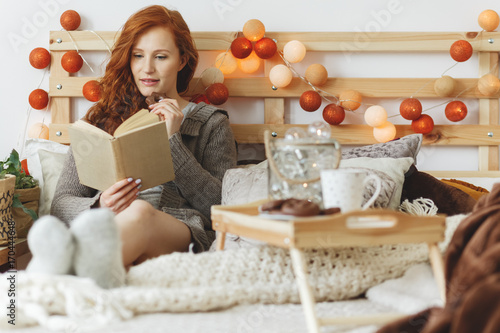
(254, 30)
(265, 48)
(294, 133)
(39, 58)
(310, 100)
(294, 51)
(316, 74)
(217, 93)
(38, 131)
(198, 98)
(333, 114)
(488, 20)
(92, 91)
(423, 124)
(319, 130)
(211, 75)
(350, 99)
(70, 20)
(444, 86)
(461, 50)
(410, 108)
(280, 76)
(385, 132)
(375, 116)
(488, 84)
(71, 61)
(250, 64)
(241, 48)
(38, 99)
(226, 62)
(455, 111)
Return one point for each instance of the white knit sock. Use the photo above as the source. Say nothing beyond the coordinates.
(51, 245)
(98, 252)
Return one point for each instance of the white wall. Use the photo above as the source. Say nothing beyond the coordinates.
(25, 25)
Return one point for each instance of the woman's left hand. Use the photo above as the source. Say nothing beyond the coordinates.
(168, 110)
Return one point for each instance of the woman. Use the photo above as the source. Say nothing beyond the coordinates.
(153, 54)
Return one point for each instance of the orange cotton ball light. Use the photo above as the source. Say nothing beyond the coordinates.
(294, 51)
(423, 124)
(410, 108)
(316, 74)
(71, 61)
(488, 84)
(92, 91)
(350, 99)
(265, 48)
(70, 20)
(488, 20)
(254, 30)
(444, 86)
(226, 62)
(217, 93)
(38, 131)
(455, 111)
(280, 76)
(310, 101)
(39, 58)
(333, 114)
(385, 132)
(375, 116)
(250, 64)
(461, 50)
(38, 99)
(241, 47)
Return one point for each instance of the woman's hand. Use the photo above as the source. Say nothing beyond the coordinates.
(168, 110)
(120, 195)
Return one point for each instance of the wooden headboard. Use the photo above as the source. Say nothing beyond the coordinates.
(485, 135)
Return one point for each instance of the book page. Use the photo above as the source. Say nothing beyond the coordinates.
(83, 125)
(139, 119)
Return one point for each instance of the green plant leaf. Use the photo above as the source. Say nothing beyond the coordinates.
(16, 203)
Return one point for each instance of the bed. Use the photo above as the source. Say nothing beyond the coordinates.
(70, 303)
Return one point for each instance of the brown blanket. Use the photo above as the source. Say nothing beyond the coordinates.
(472, 271)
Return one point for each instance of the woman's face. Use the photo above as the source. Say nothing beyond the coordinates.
(155, 61)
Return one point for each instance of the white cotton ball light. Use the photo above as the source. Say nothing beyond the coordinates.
(280, 76)
(385, 132)
(294, 51)
(375, 116)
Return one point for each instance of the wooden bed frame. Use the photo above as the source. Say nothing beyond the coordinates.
(485, 135)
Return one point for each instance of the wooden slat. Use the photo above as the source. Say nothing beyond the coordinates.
(314, 41)
(59, 133)
(464, 174)
(261, 87)
(455, 135)
(274, 108)
(59, 107)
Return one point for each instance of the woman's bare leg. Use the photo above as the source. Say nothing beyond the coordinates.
(147, 233)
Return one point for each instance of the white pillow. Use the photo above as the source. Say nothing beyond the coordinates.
(393, 167)
(45, 163)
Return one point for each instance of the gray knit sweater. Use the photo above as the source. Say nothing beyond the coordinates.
(201, 153)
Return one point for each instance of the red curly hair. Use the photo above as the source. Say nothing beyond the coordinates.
(120, 96)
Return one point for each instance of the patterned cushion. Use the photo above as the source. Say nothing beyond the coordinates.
(407, 146)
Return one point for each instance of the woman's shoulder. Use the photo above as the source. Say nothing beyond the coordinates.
(203, 112)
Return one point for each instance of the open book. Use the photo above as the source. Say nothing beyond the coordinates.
(139, 148)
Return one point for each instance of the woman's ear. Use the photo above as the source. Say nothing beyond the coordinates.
(182, 63)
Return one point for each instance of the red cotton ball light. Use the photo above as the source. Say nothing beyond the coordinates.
(92, 91)
(455, 111)
(241, 47)
(310, 101)
(265, 48)
(39, 58)
(461, 50)
(38, 99)
(217, 93)
(423, 124)
(71, 61)
(198, 98)
(70, 20)
(333, 114)
(410, 108)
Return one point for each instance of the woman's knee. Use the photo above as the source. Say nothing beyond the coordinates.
(139, 211)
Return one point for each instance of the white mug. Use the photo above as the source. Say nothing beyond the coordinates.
(343, 188)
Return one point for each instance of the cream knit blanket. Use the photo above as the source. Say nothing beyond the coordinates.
(186, 282)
